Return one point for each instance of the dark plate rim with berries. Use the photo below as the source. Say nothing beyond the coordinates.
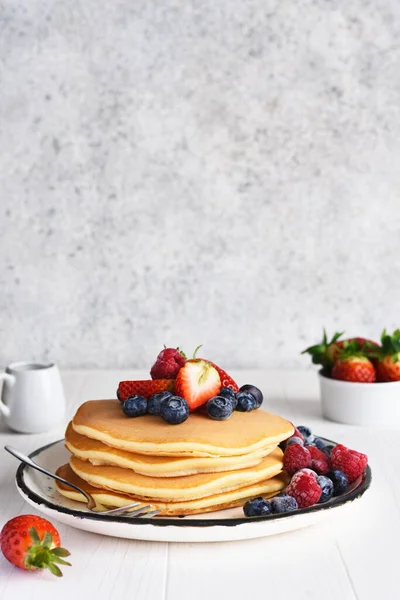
(353, 494)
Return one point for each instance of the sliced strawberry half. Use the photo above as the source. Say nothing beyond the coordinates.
(226, 380)
(145, 387)
(197, 382)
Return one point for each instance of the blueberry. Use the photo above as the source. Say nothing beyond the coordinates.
(257, 507)
(135, 406)
(155, 401)
(306, 433)
(326, 486)
(340, 481)
(219, 408)
(294, 440)
(174, 410)
(320, 443)
(229, 393)
(283, 503)
(254, 391)
(246, 402)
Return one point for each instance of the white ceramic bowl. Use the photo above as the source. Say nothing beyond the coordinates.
(371, 404)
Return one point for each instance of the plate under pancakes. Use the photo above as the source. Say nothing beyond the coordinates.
(99, 453)
(242, 433)
(219, 501)
(170, 489)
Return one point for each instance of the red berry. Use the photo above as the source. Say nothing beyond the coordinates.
(145, 387)
(352, 463)
(319, 460)
(354, 368)
(304, 488)
(296, 457)
(30, 542)
(197, 382)
(168, 363)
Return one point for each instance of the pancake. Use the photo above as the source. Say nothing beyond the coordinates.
(198, 436)
(157, 466)
(267, 488)
(176, 489)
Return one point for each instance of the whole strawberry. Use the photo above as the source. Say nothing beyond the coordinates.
(351, 462)
(304, 488)
(388, 364)
(30, 542)
(326, 352)
(168, 363)
(352, 365)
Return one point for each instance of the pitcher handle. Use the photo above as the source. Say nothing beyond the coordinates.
(10, 379)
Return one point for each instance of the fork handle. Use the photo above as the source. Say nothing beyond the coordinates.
(28, 461)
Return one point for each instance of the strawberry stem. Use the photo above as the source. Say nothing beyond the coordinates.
(197, 349)
(41, 556)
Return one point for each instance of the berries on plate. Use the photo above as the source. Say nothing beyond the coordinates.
(339, 480)
(174, 410)
(197, 382)
(155, 401)
(304, 487)
(257, 507)
(30, 542)
(145, 387)
(135, 406)
(326, 486)
(168, 363)
(245, 402)
(219, 408)
(285, 503)
(351, 462)
(296, 457)
(254, 391)
(319, 460)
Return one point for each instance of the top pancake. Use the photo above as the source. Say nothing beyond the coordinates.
(199, 435)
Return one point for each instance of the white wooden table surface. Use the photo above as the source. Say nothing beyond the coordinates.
(354, 556)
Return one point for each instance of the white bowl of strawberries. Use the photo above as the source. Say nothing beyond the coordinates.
(360, 379)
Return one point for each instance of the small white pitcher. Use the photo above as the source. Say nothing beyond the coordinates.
(32, 399)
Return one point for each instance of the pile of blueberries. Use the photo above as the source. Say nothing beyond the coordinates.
(174, 409)
(334, 483)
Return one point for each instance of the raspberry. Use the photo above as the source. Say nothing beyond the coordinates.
(304, 488)
(352, 463)
(296, 457)
(168, 363)
(319, 460)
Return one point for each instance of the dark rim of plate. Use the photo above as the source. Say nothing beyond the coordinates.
(185, 521)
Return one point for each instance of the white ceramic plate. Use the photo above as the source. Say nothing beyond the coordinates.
(226, 525)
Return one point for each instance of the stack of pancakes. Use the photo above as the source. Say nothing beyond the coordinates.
(198, 466)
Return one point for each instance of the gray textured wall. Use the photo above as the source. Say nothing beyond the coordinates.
(187, 172)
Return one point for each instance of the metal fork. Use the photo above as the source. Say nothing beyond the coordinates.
(141, 509)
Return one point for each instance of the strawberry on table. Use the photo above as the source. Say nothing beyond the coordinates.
(144, 387)
(168, 363)
(30, 542)
(197, 382)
